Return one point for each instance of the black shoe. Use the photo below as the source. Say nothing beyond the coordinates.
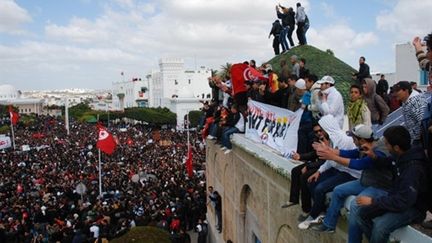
(302, 217)
(427, 224)
(322, 228)
(288, 204)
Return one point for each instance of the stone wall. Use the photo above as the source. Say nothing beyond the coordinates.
(254, 182)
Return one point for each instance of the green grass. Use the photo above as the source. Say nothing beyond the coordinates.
(144, 234)
(320, 63)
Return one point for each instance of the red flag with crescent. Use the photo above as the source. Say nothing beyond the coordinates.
(106, 142)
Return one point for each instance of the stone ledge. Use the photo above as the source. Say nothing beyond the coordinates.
(283, 166)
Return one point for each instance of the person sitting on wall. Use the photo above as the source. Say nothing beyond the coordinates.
(300, 173)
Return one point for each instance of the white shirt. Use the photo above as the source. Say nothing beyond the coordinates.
(333, 105)
(300, 14)
(95, 230)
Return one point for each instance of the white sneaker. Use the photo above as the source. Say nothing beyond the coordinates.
(305, 224)
(223, 148)
(211, 137)
(227, 151)
(310, 221)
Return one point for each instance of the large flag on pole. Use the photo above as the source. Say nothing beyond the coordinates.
(189, 162)
(240, 73)
(14, 116)
(106, 142)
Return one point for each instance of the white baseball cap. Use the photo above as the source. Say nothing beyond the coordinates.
(300, 84)
(326, 79)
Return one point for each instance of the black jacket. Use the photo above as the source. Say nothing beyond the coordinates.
(409, 188)
(276, 28)
(363, 72)
(288, 19)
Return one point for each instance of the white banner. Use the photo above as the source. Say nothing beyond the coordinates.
(273, 126)
(5, 142)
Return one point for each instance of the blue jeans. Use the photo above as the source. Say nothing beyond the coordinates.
(226, 136)
(340, 193)
(325, 183)
(213, 129)
(283, 38)
(378, 229)
(355, 233)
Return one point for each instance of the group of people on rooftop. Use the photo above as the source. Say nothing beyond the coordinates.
(388, 176)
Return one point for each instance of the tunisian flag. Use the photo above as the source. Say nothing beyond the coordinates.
(106, 142)
(14, 116)
(242, 72)
(189, 162)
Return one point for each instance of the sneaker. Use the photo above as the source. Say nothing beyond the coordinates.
(227, 151)
(288, 204)
(310, 221)
(306, 223)
(223, 148)
(211, 137)
(322, 228)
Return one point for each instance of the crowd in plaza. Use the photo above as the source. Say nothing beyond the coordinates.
(388, 175)
(144, 182)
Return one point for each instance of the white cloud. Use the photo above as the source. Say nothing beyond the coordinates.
(12, 16)
(407, 19)
(341, 39)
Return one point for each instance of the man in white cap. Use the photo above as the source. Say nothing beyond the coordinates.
(305, 136)
(331, 100)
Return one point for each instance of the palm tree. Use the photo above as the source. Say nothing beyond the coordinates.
(225, 71)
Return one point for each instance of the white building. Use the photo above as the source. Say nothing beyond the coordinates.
(182, 104)
(166, 83)
(407, 67)
(128, 94)
(10, 96)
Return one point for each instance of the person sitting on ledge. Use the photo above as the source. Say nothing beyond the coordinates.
(406, 202)
(301, 173)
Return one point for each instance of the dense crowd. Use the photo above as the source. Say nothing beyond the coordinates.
(389, 176)
(144, 183)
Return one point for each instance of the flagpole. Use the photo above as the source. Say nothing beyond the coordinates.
(67, 115)
(100, 175)
(13, 135)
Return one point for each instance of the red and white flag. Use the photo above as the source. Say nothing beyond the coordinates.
(106, 142)
(240, 73)
(14, 116)
(189, 168)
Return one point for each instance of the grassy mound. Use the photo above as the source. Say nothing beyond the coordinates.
(320, 63)
(144, 234)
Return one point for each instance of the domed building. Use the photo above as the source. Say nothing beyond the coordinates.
(9, 95)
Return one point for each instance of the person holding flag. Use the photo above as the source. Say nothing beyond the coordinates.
(14, 118)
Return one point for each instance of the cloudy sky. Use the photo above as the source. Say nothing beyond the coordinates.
(51, 44)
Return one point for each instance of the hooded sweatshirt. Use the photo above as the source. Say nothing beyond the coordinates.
(339, 140)
(377, 106)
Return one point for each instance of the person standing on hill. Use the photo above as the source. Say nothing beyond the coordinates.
(276, 32)
(282, 14)
(301, 21)
(363, 71)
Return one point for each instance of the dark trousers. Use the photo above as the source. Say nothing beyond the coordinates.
(289, 35)
(305, 138)
(276, 45)
(300, 33)
(299, 187)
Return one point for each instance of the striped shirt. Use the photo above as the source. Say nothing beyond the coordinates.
(413, 110)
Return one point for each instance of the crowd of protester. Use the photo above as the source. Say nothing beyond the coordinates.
(389, 175)
(143, 182)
